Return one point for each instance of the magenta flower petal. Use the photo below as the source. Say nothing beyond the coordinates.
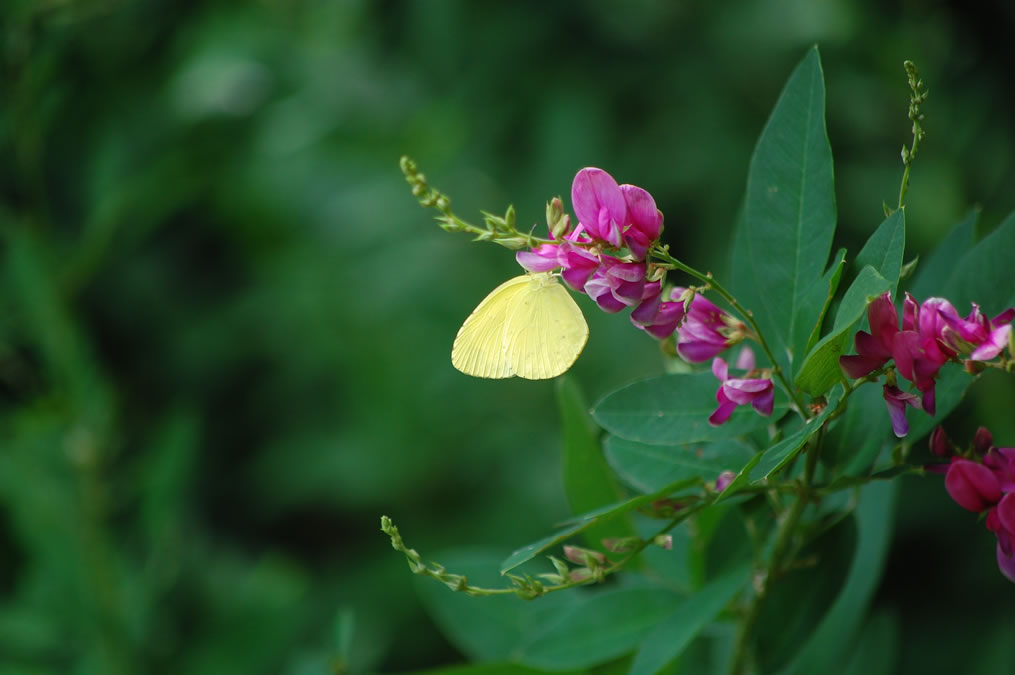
(857, 366)
(870, 346)
(1006, 562)
(994, 344)
(745, 359)
(764, 403)
(884, 322)
(699, 351)
(599, 204)
(897, 400)
(598, 288)
(646, 220)
(723, 412)
(540, 259)
(657, 318)
(1004, 317)
(973, 486)
(720, 369)
(1006, 512)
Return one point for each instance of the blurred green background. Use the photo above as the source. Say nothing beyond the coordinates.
(225, 323)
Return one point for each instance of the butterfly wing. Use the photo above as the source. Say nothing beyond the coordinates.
(479, 348)
(545, 330)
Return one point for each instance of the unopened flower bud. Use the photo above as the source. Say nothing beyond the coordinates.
(583, 556)
(983, 440)
(554, 213)
(939, 442)
(664, 541)
(723, 481)
(443, 203)
(973, 486)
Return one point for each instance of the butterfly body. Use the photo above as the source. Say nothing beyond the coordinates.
(528, 327)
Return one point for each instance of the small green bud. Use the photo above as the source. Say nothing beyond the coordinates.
(513, 243)
(418, 190)
(509, 217)
(559, 565)
(443, 203)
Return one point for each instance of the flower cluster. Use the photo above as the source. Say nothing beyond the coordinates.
(932, 334)
(611, 217)
(605, 257)
(984, 480)
(754, 388)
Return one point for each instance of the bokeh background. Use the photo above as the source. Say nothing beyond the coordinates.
(225, 323)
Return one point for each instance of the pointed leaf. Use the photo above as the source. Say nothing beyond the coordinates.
(821, 369)
(830, 643)
(588, 481)
(831, 282)
(602, 627)
(935, 269)
(780, 454)
(786, 232)
(885, 249)
(671, 636)
(978, 276)
(649, 468)
(674, 410)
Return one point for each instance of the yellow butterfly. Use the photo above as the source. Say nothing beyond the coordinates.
(528, 326)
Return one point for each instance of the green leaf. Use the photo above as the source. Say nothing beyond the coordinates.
(885, 249)
(674, 410)
(602, 627)
(831, 280)
(588, 481)
(489, 669)
(649, 468)
(781, 248)
(780, 454)
(672, 635)
(796, 604)
(977, 275)
(859, 435)
(821, 369)
(937, 267)
(877, 650)
(830, 643)
(587, 520)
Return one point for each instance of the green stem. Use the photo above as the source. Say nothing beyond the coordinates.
(776, 563)
(662, 253)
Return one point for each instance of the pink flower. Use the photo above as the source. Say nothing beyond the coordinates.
(707, 330)
(599, 204)
(542, 258)
(973, 486)
(875, 348)
(656, 317)
(646, 221)
(616, 284)
(982, 338)
(1001, 521)
(897, 400)
(578, 264)
(758, 392)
